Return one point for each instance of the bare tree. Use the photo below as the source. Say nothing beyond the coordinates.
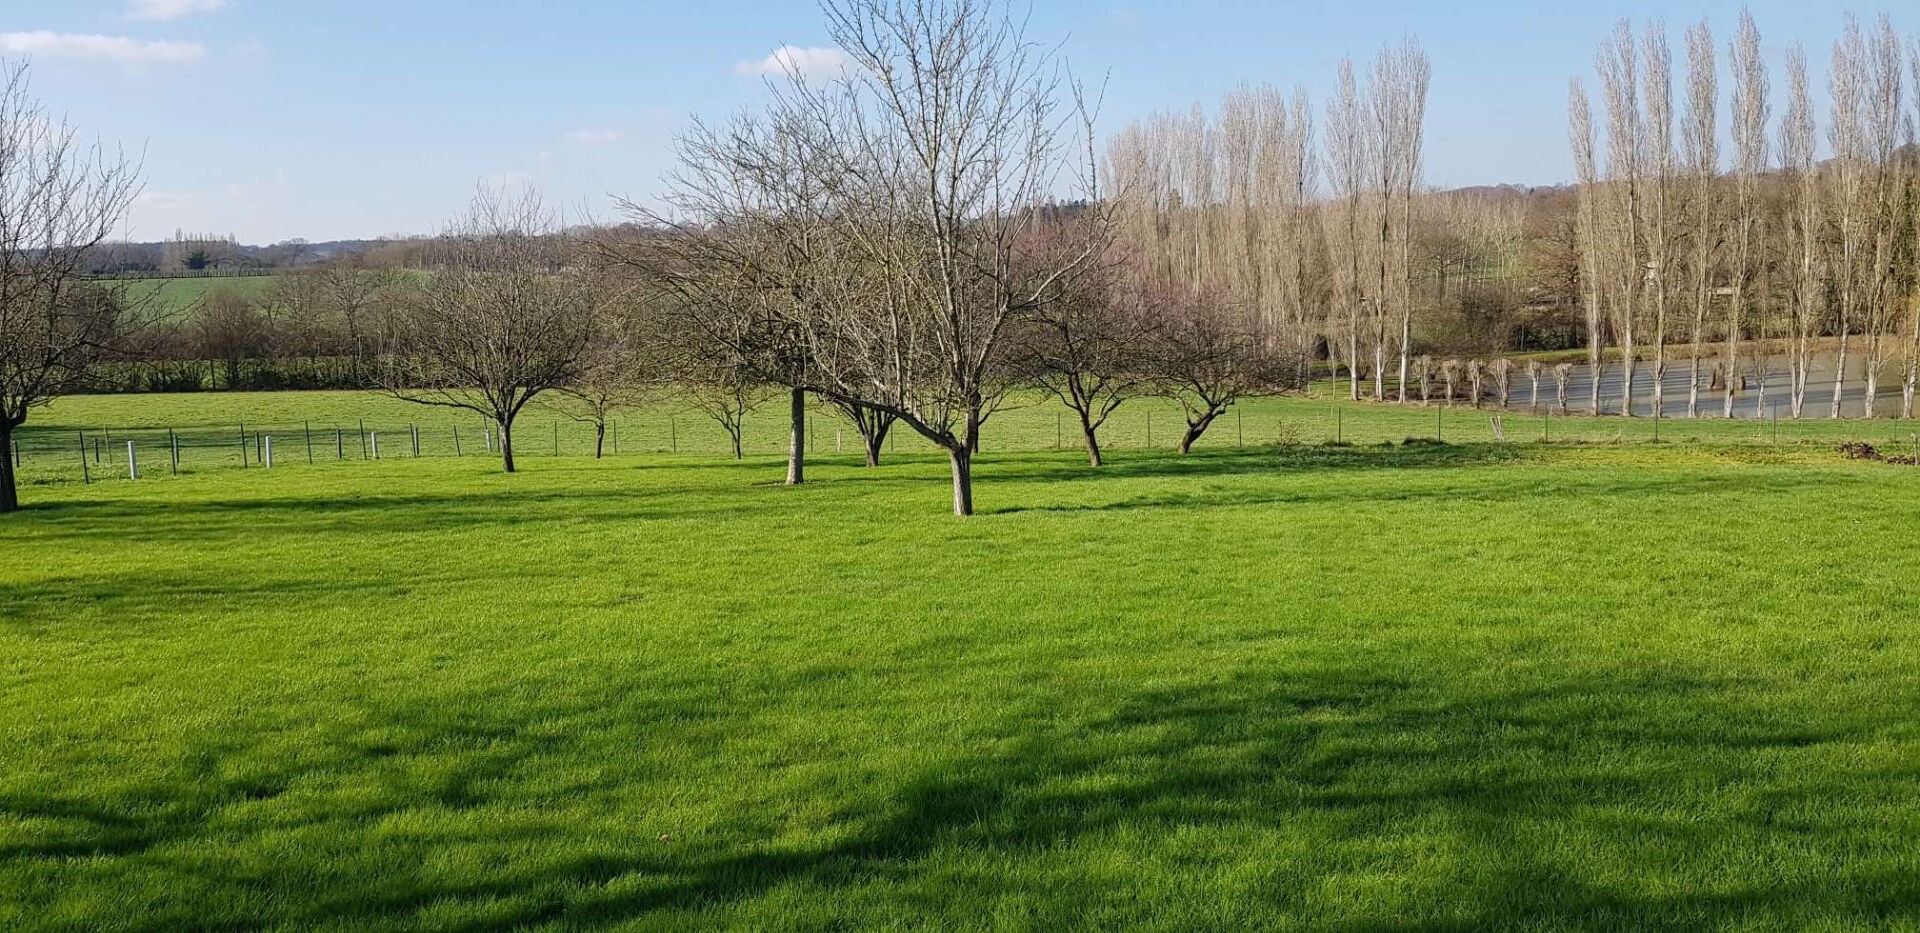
(1701, 142)
(626, 361)
(1206, 355)
(503, 316)
(1347, 167)
(1658, 95)
(1749, 163)
(1808, 284)
(1619, 64)
(1588, 233)
(1086, 347)
(726, 391)
(59, 201)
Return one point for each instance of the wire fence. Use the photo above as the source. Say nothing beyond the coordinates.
(66, 454)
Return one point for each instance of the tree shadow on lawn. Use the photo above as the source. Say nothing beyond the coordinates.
(1355, 798)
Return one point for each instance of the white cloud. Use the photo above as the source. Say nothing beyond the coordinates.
(171, 9)
(809, 63)
(105, 48)
(596, 137)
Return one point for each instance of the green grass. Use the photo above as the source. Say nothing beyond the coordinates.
(176, 297)
(210, 427)
(1441, 688)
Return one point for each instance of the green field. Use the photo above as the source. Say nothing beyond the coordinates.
(1461, 687)
(337, 425)
(176, 297)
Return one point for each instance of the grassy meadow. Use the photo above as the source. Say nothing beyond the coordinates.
(1469, 686)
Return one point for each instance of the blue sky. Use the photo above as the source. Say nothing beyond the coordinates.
(271, 119)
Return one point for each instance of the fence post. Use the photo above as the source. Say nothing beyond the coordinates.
(556, 438)
(243, 445)
(267, 450)
(173, 448)
(1059, 438)
(307, 428)
(339, 444)
(363, 438)
(1149, 429)
(376, 444)
(133, 463)
(1439, 423)
(616, 438)
(673, 433)
(456, 440)
(1240, 423)
(86, 479)
(1339, 425)
(414, 429)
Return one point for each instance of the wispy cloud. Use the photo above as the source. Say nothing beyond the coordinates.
(171, 9)
(810, 63)
(101, 48)
(596, 137)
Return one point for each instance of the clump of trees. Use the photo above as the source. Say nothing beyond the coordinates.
(1776, 250)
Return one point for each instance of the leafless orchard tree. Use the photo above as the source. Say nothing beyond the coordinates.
(1088, 346)
(1206, 354)
(60, 199)
(873, 222)
(725, 390)
(504, 314)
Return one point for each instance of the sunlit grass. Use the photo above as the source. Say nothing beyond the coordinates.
(1459, 687)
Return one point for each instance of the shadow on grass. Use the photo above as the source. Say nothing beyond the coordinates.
(1579, 805)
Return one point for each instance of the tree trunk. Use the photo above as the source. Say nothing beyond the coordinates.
(9, 488)
(797, 449)
(733, 432)
(962, 461)
(1194, 430)
(506, 444)
(599, 438)
(973, 430)
(1092, 436)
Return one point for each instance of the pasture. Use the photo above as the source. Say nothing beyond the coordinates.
(1470, 686)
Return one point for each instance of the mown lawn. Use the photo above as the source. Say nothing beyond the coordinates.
(1444, 688)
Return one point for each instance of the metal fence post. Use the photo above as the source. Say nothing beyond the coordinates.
(243, 445)
(133, 463)
(307, 428)
(363, 438)
(86, 479)
(267, 450)
(173, 446)
(456, 440)
(375, 436)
